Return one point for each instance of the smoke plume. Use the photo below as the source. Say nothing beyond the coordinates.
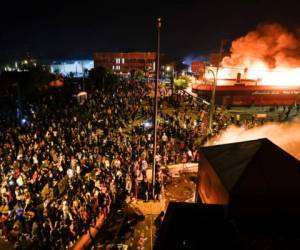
(271, 44)
(285, 135)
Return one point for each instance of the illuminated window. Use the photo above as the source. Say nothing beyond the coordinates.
(118, 60)
(123, 60)
(113, 67)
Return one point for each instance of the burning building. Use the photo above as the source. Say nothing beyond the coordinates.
(263, 69)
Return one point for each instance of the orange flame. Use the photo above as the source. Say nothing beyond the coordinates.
(268, 56)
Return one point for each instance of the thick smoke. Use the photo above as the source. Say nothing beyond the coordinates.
(285, 135)
(270, 45)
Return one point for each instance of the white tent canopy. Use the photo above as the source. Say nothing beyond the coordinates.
(82, 97)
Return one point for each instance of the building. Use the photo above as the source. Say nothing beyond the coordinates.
(190, 226)
(21, 65)
(247, 95)
(248, 195)
(250, 178)
(198, 69)
(126, 62)
(74, 68)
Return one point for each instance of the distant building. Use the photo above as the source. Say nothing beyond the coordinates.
(188, 60)
(75, 68)
(198, 69)
(21, 65)
(249, 93)
(126, 62)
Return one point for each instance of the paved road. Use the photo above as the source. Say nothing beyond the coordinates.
(133, 223)
(129, 227)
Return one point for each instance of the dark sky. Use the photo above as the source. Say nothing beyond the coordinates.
(75, 29)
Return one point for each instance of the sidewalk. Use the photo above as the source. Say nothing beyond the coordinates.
(149, 208)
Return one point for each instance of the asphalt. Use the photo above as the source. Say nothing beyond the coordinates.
(132, 224)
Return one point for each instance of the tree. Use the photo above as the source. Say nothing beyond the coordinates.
(139, 74)
(56, 71)
(183, 82)
(97, 76)
(39, 77)
(101, 77)
(85, 72)
(112, 79)
(28, 81)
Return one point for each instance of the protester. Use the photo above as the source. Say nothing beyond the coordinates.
(67, 161)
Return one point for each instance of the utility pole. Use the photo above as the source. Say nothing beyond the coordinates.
(83, 72)
(213, 96)
(158, 25)
(172, 85)
(223, 42)
(19, 102)
(170, 70)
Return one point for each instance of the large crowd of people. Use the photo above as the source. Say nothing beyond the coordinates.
(63, 163)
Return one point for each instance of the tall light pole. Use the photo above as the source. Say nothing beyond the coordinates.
(171, 69)
(83, 80)
(213, 95)
(18, 101)
(212, 101)
(158, 25)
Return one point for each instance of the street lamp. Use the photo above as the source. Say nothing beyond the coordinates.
(158, 25)
(215, 75)
(171, 69)
(212, 101)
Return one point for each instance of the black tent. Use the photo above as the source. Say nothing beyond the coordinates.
(253, 179)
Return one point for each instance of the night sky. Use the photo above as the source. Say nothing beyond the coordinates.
(75, 29)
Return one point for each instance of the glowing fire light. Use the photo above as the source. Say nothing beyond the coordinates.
(268, 56)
